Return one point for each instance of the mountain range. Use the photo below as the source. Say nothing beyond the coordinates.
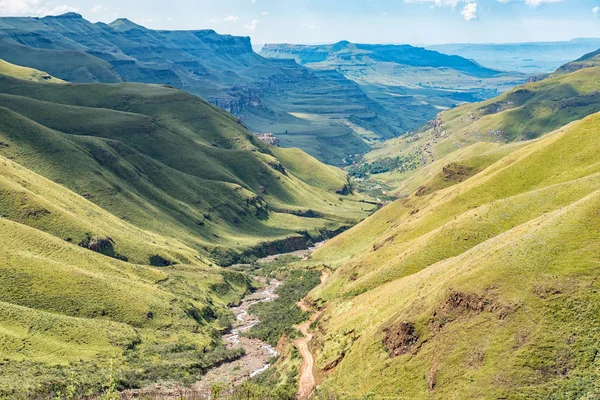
(412, 82)
(135, 203)
(318, 110)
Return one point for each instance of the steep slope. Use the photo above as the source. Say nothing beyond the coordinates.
(115, 203)
(525, 112)
(168, 162)
(588, 60)
(483, 289)
(269, 95)
(28, 74)
(412, 82)
(68, 311)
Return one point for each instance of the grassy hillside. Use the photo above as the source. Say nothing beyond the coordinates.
(68, 312)
(523, 113)
(482, 289)
(28, 74)
(170, 163)
(116, 202)
(588, 60)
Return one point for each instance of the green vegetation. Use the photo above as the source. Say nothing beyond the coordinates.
(165, 162)
(477, 131)
(478, 289)
(28, 74)
(379, 166)
(114, 200)
(279, 316)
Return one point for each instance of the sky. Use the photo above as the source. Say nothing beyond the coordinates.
(363, 21)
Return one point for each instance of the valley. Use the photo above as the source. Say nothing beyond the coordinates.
(183, 218)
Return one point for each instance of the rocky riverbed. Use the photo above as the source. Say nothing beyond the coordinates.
(258, 353)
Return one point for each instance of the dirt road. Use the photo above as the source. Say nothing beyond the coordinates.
(307, 377)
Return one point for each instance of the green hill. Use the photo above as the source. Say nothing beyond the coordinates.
(473, 131)
(589, 60)
(483, 289)
(116, 203)
(168, 162)
(28, 74)
(68, 312)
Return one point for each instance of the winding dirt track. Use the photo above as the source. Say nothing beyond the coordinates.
(307, 377)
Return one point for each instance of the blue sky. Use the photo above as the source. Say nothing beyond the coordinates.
(366, 21)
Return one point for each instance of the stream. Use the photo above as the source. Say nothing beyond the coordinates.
(258, 353)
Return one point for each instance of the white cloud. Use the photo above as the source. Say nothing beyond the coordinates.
(469, 11)
(170, 19)
(537, 3)
(253, 1)
(437, 3)
(532, 3)
(98, 8)
(230, 18)
(264, 13)
(596, 10)
(384, 14)
(33, 8)
(252, 25)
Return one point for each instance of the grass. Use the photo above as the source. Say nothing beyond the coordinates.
(198, 174)
(519, 238)
(279, 316)
(523, 113)
(154, 180)
(28, 74)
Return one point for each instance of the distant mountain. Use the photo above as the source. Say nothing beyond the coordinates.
(318, 111)
(344, 51)
(531, 58)
(413, 82)
(525, 112)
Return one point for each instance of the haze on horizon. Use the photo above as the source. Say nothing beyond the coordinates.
(364, 21)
